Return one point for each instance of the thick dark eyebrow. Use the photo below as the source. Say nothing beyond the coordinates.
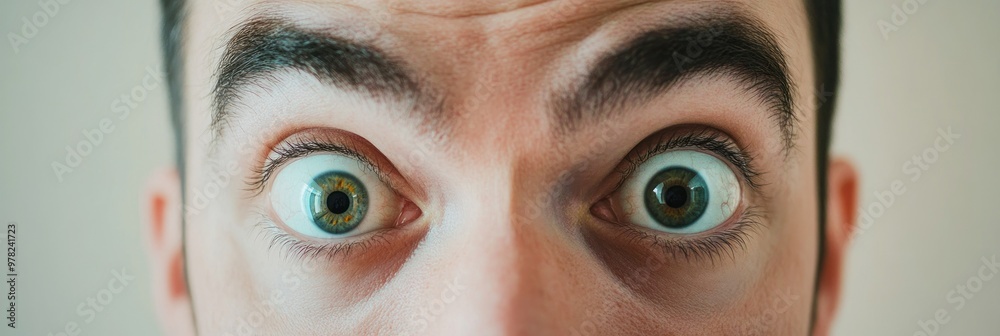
(264, 46)
(727, 44)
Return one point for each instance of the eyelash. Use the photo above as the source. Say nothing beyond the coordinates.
(301, 147)
(711, 247)
(717, 244)
(295, 247)
(299, 249)
(705, 139)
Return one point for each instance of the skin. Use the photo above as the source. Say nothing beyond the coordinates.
(503, 242)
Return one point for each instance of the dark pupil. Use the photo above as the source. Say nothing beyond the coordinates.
(338, 202)
(675, 196)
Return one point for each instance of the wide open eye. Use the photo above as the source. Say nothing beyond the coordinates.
(682, 191)
(332, 196)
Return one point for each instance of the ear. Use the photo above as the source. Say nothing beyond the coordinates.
(164, 243)
(841, 211)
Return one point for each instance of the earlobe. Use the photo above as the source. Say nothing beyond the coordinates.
(841, 210)
(164, 244)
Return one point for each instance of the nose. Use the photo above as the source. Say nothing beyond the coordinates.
(507, 268)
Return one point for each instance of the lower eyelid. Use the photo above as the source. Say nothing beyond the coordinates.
(288, 245)
(746, 223)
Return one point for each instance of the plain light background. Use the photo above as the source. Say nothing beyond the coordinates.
(940, 69)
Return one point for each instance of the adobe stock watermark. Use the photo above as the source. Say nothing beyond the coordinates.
(94, 137)
(762, 323)
(424, 316)
(596, 318)
(914, 168)
(781, 302)
(568, 9)
(219, 177)
(368, 24)
(695, 47)
(594, 146)
(291, 280)
(93, 305)
(900, 16)
(822, 95)
(481, 90)
(958, 297)
(247, 325)
(221, 174)
(48, 9)
(11, 274)
(226, 8)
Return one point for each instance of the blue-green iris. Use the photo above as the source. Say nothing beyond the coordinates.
(337, 202)
(676, 197)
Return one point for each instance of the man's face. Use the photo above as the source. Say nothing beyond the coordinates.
(500, 167)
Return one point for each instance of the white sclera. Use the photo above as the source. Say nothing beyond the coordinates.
(724, 191)
(291, 184)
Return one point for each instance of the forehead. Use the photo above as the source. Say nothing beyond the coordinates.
(518, 48)
(455, 39)
(517, 26)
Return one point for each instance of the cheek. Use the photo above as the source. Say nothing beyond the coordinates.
(765, 287)
(694, 295)
(221, 286)
(794, 229)
(786, 295)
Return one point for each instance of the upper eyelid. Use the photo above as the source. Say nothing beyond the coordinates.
(291, 149)
(706, 139)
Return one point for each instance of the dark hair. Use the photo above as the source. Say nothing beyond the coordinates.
(172, 36)
(824, 19)
(824, 24)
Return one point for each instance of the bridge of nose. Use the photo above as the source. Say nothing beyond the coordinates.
(501, 262)
(499, 237)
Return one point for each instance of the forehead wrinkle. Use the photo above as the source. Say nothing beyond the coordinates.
(448, 11)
